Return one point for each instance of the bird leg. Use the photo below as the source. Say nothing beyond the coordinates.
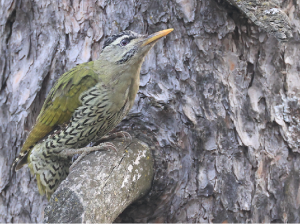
(104, 144)
(85, 151)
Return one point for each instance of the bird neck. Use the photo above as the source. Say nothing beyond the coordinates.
(125, 79)
(129, 79)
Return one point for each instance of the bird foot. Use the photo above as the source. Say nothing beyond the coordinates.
(85, 151)
(121, 134)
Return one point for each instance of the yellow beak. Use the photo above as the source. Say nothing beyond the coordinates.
(156, 36)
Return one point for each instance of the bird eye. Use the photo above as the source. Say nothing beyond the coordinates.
(124, 42)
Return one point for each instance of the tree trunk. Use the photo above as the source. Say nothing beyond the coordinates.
(218, 102)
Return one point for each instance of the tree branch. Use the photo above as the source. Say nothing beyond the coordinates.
(102, 185)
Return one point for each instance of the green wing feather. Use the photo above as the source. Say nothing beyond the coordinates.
(59, 105)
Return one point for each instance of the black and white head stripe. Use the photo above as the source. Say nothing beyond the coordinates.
(118, 37)
(127, 55)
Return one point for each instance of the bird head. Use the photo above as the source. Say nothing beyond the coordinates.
(129, 48)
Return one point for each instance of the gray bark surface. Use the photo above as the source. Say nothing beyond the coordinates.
(219, 100)
(267, 15)
(102, 185)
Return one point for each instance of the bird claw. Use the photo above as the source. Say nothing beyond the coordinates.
(86, 150)
(121, 134)
(110, 145)
(125, 135)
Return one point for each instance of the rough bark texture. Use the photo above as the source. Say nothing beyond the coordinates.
(219, 97)
(267, 15)
(102, 185)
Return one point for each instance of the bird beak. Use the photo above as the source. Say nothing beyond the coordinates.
(155, 36)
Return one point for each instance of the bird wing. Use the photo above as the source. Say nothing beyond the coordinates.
(59, 105)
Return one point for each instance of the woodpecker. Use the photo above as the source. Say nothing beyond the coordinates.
(83, 106)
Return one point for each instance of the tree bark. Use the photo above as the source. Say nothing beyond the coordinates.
(218, 103)
(268, 16)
